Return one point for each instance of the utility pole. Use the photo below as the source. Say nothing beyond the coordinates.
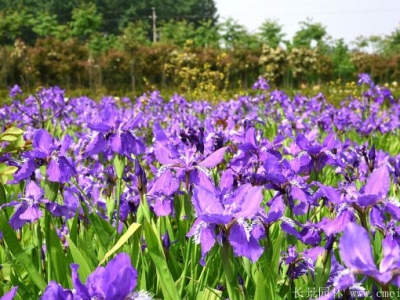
(154, 17)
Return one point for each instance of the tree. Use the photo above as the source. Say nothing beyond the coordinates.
(232, 32)
(391, 44)
(207, 35)
(270, 33)
(45, 24)
(176, 32)
(343, 66)
(85, 21)
(12, 25)
(309, 32)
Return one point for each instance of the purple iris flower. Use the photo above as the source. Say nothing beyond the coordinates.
(356, 252)
(315, 156)
(232, 214)
(14, 91)
(28, 209)
(114, 132)
(115, 281)
(190, 167)
(47, 152)
(365, 79)
(261, 84)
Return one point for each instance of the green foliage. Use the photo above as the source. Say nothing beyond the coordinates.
(270, 33)
(45, 25)
(176, 32)
(309, 32)
(15, 143)
(85, 21)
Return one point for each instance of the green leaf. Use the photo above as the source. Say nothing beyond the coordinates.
(104, 231)
(210, 294)
(119, 165)
(322, 270)
(157, 255)
(8, 138)
(85, 264)
(56, 256)
(3, 196)
(13, 245)
(13, 131)
(51, 190)
(9, 170)
(122, 240)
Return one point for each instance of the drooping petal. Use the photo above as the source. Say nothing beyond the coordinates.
(200, 177)
(276, 210)
(65, 145)
(56, 291)
(166, 184)
(208, 206)
(80, 288)
(355, 249)
(391, 255)
(25, 171)
(120, 277)
(243, 242)
(250, 203)
(376, 218)
(33, 191)
(96, 145)
(204, 235)
(54, 172)
(31, 213)
(116, 143)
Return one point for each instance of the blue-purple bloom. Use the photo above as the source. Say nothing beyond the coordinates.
(47, 152)
(115, 133)
(115, 281)
(232, 213)
(356, 252)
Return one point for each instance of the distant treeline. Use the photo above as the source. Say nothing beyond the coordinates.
(120, 46)
(71, 65)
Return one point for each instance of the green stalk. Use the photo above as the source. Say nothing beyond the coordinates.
(143, 210)
(119, 165)
(231, 280)
(118, 199)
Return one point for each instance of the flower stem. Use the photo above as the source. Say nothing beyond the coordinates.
(228, 264)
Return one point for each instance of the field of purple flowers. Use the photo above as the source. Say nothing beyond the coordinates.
(260, 197)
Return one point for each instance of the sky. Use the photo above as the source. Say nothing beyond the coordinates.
(345, 19)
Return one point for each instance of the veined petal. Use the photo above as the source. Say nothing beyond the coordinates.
(56, 291)
(120, 277)
(163, 154)
(243, 242)
(250, 203)
(378, 183)
(214, 158)
(43, 141)
(208, 206)
(32, 190)
(355, 250)
(204, 235)
(80, 288)
(96, 145)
